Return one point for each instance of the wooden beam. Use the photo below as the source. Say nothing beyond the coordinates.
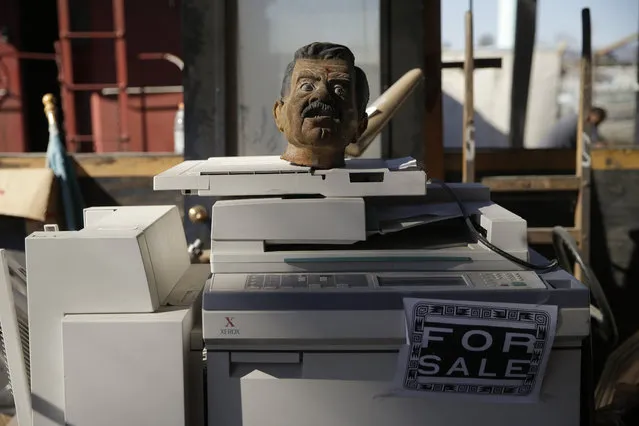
(433, 134)
(616, 45)
(532, 183)
(544, 235)
(468, 123)
(515, 161)
(102, 165)
(615, 159)
(479, 63)
(582, 210)
(503, 161)
(525, 25)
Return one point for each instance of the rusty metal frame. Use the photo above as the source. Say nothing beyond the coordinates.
(28, 56)
(169, 57)
(68, 86)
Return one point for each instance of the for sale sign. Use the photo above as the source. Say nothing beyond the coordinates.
(476, 348)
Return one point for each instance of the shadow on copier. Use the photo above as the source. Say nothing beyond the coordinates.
(299, 318)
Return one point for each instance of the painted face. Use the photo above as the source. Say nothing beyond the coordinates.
(319, 117)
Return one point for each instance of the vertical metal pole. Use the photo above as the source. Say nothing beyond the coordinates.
(121, 72)
(204, 44)
(66, 73)
(468, 133)
(582, 210)
(525, 29)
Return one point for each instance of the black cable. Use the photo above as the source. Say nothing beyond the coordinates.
(480, 237)
(562, 240)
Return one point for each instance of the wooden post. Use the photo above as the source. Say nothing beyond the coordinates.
(468, 132)
(433, 144)
(582, 210)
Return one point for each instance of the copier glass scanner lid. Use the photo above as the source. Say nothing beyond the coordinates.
(272, 176)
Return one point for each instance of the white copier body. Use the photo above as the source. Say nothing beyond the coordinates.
(299, 318)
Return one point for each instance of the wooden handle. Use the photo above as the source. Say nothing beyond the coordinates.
(385, 106)
(48, 101)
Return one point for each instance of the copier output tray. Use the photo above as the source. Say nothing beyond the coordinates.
(431, 235)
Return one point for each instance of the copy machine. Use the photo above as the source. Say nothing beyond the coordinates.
(299, 318)
(302, 317)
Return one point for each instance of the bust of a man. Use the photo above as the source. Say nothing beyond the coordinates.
(322, 105)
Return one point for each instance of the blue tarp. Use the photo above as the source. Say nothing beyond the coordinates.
(64, 170)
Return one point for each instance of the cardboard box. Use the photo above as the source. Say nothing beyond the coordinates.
(30, 194)
(7, 420)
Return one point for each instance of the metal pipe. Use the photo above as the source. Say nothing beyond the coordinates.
(111, 91)
(89, 87)
(29, 56)
(90, 34)
(174, 59)
(121, 71)
(66, 66)
(83, 138)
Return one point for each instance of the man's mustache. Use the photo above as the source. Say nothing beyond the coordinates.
(319, 109)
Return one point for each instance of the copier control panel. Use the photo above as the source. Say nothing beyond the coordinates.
(355, 281)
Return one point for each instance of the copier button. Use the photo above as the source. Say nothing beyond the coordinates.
(254, 281)
(272, 281)
(327, 281)
(351, 280)
(518, 284)
(294, 281)
(316, 281)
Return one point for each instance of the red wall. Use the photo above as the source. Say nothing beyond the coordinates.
(150, 121)
(152, 26)
(12, 129)
(10, 19)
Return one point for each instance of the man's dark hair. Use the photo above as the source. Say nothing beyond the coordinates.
(328, 51)
(600, 112)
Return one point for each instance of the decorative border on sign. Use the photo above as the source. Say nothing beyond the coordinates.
(422, 310)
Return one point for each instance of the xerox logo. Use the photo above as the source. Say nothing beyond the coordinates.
(229, 322)
(229, 328)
